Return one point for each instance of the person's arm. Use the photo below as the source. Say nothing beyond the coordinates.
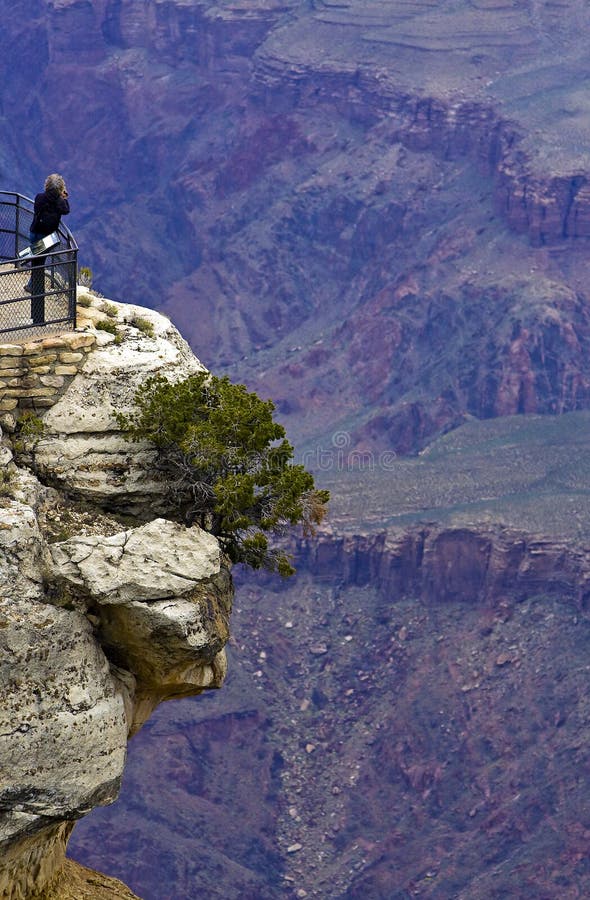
(64, 205)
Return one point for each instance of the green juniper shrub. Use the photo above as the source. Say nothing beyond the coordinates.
(227, 464)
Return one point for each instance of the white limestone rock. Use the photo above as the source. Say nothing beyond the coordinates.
(5, 454)
(63, 737)
(21, 557)
(174, 647)
(63, 731)
(97, 629)
(161, 598)
(82, 449)
(73, 686)
(153, 562)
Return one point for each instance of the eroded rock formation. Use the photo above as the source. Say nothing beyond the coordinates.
(100, 620)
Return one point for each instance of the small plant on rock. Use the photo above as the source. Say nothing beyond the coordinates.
(143, 325)
(30, 425)
(227, 464)
(85, 276)
(107, 325)
(6, 482)
(29, 430)
(110, 310)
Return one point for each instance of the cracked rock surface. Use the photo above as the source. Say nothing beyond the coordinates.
(82, 449)
(158, 560)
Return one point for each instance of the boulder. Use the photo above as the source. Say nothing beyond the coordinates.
(161, 598)
(153, 562)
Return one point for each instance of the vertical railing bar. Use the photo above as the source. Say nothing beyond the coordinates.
(17, 226)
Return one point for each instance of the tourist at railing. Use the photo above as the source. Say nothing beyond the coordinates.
(50, 206)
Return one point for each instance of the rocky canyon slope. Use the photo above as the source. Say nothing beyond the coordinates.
(286, 177)
(376, 213)
(101, 616)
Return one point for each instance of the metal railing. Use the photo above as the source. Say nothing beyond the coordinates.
(49, 303)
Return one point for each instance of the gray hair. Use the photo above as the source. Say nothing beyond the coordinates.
(55, 182)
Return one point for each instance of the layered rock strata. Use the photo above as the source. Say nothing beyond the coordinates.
(99, 620)
(480, 564)
(461, 79)
(548, 206)
(80, 448)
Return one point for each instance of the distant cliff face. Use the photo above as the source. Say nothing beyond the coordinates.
(315, 189)
(100, 619)
(407, 717)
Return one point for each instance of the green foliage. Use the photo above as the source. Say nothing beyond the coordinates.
(84, 300)
(143, 325)
(110, 310)
(111, 327)
(30, 425)
(85, 276)
(107, 325)
(227, 464)
(29, 429)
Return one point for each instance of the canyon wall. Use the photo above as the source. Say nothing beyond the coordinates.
(480, 565)
(280, 177)
(408, 715)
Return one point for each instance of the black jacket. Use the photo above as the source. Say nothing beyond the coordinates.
(50, 206)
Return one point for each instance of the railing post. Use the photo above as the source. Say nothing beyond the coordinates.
(17, 226)
(73, 278)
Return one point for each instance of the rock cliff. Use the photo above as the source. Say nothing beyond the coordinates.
(101, 617)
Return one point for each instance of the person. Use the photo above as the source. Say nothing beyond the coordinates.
(50, 206)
